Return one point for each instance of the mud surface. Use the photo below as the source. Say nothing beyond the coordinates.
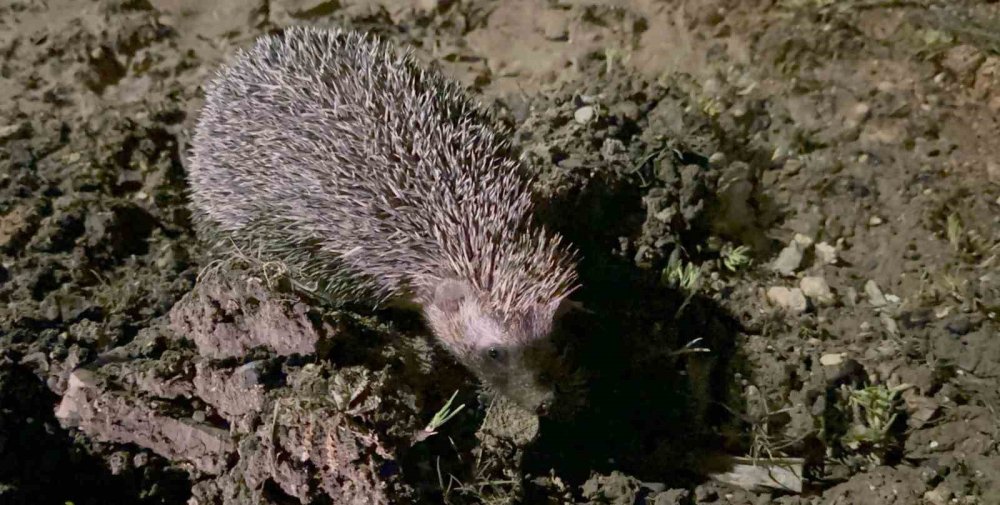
(789, 213)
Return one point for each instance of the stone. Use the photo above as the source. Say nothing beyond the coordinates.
(859, 113)
(584, 114)
(832, 359)
(817, 290)
(429, 5)
(963, 61)
(673, 497)
(789, 299)
(789, 259)
(889, 324)
(16, 227)
(993, 171)
(940, 495)
(14, 131)
(874, 293)
(826, 253)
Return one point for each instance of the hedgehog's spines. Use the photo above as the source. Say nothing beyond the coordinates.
(359, 168)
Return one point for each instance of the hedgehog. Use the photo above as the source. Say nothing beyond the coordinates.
(375, 179)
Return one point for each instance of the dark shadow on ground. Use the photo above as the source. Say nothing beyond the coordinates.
(40, 463)
(648, 411)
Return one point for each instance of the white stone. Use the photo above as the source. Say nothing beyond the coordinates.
(889, 324)
(826, 253)
(7, 131)
(789, 259)
(790, 299)
(875, 296)
(584, 114)
(817, 290)
(992, 171)
(832, 359)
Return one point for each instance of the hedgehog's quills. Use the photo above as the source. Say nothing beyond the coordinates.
(359, 170)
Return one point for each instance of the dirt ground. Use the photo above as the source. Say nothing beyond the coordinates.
(788, 213)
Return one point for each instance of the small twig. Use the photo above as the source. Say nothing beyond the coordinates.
(689, 348)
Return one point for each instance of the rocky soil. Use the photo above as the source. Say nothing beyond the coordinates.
(789, 213)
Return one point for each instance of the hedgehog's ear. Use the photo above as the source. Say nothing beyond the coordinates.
(449, 295)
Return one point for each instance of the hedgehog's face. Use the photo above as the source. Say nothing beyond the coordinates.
(517, 359)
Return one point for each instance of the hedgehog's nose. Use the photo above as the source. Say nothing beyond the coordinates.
(542, 408)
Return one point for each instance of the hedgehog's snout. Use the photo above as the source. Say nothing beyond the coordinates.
(542, 409)
(522, 373)
(515, 359)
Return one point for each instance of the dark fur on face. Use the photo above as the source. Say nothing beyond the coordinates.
(512, 353)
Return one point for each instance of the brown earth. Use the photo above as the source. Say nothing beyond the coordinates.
(849, 146)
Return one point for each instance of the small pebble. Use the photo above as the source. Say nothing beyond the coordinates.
(826, 253)
(629, 110)
(656, 487)
(704, 493)
(993, 171)
(938, 496)
(860, 111)
(875, 296)
(7, 131)
(790, 299)
(803, 240)
(817, 290)
(875, 221)
(584, 114)
(429, 5)
(789, 259)
(889, 324)
(852, 296)
(672, 497)
(832, 359)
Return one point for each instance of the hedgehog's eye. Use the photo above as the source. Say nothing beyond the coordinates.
(493, 353)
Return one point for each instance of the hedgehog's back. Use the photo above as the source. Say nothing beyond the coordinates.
(333, 153)
(284, 121)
